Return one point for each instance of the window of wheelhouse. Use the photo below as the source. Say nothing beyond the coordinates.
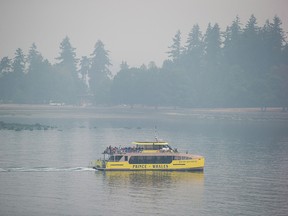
(115, 158)
(150, 147)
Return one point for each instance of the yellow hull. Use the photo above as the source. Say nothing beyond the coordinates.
(195, 164)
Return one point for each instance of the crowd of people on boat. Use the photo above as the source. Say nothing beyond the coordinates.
(122, 150)
(134, 149)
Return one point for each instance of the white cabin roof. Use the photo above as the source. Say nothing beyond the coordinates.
(150, 143)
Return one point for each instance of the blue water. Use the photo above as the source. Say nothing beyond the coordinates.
(47, 173)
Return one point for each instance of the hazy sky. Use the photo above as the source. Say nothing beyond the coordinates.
(136, 31)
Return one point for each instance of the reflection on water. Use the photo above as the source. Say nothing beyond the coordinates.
(152, 191)
(156, 179)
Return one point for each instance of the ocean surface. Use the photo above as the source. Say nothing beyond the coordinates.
(46, 172)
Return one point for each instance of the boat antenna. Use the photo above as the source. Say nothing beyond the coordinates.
(155, 132)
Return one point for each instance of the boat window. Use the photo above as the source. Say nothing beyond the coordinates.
(115, 158)
(150, 159)
(150, 147)
(177, 158)
(126, 158)
(182, 158)
(118, 158)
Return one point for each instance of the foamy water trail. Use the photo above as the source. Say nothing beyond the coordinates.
(47, 169)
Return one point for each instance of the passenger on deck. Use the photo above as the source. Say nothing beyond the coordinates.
(165, 148)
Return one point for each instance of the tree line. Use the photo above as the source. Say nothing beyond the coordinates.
(243, 66)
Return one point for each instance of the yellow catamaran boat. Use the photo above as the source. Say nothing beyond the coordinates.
(156, 155)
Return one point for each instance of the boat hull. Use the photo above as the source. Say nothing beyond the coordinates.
(200, 169)
(176, 165)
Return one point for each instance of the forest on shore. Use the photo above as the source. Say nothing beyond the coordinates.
(243, 66)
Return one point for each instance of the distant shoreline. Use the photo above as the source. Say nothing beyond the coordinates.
(47, 107)
(141, 112)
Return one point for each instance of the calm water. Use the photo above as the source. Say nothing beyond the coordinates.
(46, 172)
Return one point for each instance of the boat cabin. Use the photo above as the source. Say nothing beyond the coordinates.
(150, 147)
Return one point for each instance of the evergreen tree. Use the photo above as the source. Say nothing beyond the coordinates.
(251, 46)
(266, 48)
(5, 71)
(277, 41)
(5, 65)
(12, 83)
(233, 76)
(39, 79)
(272, 37)
(33, 58)
(124, 65)
(68, 83)
(194, 49)
(18, 77)
(18, 65)
(99, 73)
(175, 49)
(232, 43)
(212, 45)
(210, 80)
(67, 58)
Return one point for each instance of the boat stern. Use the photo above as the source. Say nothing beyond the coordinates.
(98, 164)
